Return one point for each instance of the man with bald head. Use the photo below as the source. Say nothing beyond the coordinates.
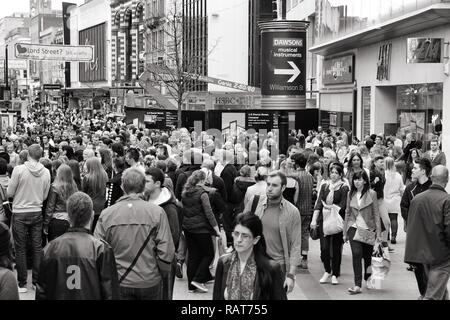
(428, 235)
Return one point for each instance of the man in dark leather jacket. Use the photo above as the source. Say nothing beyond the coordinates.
(77, 266)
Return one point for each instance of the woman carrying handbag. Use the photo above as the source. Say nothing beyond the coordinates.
(332, 193)
(362, 226)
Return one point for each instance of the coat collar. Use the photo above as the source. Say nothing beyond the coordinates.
(438, 187)
(365, 201)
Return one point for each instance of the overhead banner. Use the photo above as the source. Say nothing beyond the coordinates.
(54, 52)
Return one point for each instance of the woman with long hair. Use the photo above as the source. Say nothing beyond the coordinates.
(106, 161)
(248, 273)
(56, 218)
(414, 154)
(393, 191)
(94, 185)
(8, 283)
(199, 223)
(362, 216)
(333, 192)
(355, 164)
(75, 166)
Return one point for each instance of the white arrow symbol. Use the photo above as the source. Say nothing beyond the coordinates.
(295, 71)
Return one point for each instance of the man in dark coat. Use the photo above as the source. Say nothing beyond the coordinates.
(228, 174)
(420, 173)
(163, 197)
(428, 235)
(77, 266)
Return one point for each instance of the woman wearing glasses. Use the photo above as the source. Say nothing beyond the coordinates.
(248, 273)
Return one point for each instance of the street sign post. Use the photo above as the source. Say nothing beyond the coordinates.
(283, 67)
(41, 52)
(283, 64)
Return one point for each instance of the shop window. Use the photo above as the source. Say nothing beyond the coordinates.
(419, 111)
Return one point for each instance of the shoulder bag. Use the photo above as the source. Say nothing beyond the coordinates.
(365, 236)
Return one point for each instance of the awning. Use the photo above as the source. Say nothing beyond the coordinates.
(433, 16)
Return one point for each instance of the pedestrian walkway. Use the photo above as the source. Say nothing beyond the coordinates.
(400, 284)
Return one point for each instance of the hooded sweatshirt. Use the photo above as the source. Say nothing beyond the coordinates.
(29, 186)
(167, 201)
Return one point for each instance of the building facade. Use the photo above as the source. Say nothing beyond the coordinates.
(46, 27)
(128, 43)
(90, 24)
(386, 64)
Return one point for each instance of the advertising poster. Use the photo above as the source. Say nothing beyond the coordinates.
(233, 124)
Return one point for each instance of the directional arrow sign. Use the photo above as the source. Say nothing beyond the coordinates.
(283, 63)
(295, 71)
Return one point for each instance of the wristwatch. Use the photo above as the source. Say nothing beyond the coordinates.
(291, 276)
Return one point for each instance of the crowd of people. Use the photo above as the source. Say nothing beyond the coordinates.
(102, 210)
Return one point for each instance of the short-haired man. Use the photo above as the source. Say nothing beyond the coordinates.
(77, 145)
(428, 235)
(281, 227)
(421, 182)
(132, 158)
(138, 232)
(76, 265)
(29, 186)
(163, 197)
(436, 156)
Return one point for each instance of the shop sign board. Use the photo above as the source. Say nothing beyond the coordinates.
(424, 50)
(41, 52)
(338, 70)
(283, 69)
(14, 64)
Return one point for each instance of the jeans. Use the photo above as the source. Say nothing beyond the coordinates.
(360, 251)
(201, 253)
(385, 221)
(168, 281)
(56, 228)
(394, 224)
(421, 277)
(438, 276)
(331, 253)
(152, 293)
(306, 221)
(182, 249)
(22, 223)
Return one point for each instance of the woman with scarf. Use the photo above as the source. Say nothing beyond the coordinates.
(333, 193)
(248, 273)
(362, 218)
